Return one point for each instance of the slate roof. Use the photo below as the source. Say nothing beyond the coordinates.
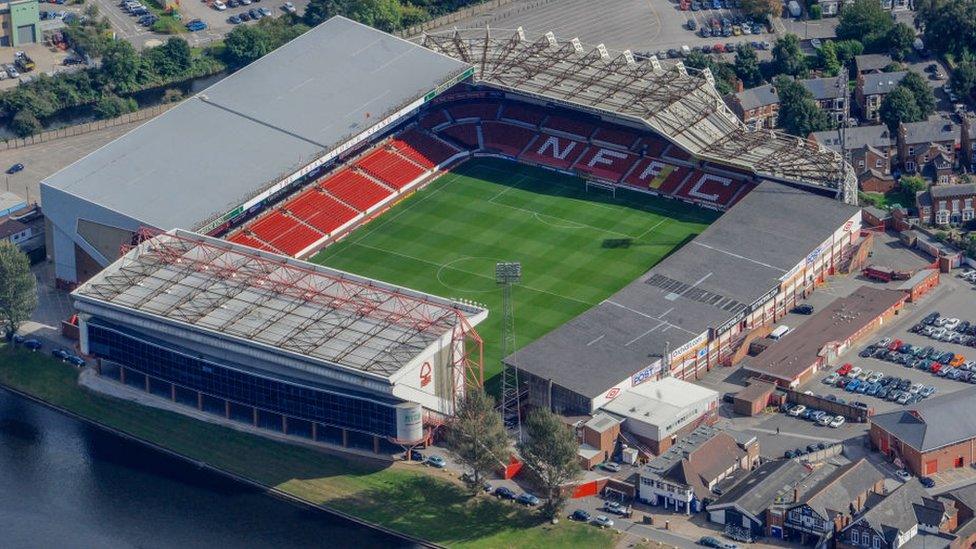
(901, 510)
(953, 191)
(825, 88)
(965, 495)
(872, 62)
(882, 82)
(835, 493)
(698, 459)
(930, 131)
(933, 423)
(876, 136)
(760, 96)
(10, 226)
(760, 489)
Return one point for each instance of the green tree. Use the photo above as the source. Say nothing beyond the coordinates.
(787, 57)
(827, 58)
(120, 65)
(867, 21)
(847, 49)
(912, 184)
(963, 79)
(901, 39)
(762, 9)
(384, 15)
(91, 10)
(948, 26)
(549, 451)
(244, 45)
(899, 106)
(18, 288)
(25, 124)
(921, 91)
(318, 11)
(476, 435)
(724, 73)
(746, 66)
(798, 112)
(111, 106)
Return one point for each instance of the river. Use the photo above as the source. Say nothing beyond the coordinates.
(64, 483)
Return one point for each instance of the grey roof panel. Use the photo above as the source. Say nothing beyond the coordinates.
(933, 423)
(701, 285)
(235, 139)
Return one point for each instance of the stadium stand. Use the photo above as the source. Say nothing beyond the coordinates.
(284, 233)
(554, 151)
(476, 111)
(390, 168)
(506, 138)
(465, 135)
(241, 238)
(652, 146)
(569, 126)
(355, 189)
(524, 114)
(433, 118)
(423, 148)
(615, 136)
(320, 210)
(608, 164)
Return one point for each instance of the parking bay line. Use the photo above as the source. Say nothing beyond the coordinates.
(795, 435)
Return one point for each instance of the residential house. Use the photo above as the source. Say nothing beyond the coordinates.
(907, 515)
(833, 503)
(757, 505)
(947, 204)
(14, 231)
(757, 107)
(830, 95)
(965, 501)
(929, 148)
(871, 89)
(937, 434)
(895, 5)
(683, 477)
(869, 149)
(871, 63)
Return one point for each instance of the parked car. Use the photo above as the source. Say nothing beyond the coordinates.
(797, 410)
(75, 360)
(845, 369)
(837, 421)
(603, 521)
(927, 482)
(528, 499)
(437, 462)
(709, 541)
(903, 475)
(265, 12)
(610, 466)
(234, 20)
(290, 8)
(803, 309)
(32, 344)
(15, 168)
(578, 514)
(219, 6)
(504, 492)
(831, 378)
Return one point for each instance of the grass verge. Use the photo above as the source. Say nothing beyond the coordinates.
(418, 502)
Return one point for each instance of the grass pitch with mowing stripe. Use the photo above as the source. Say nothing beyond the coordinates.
(577, 248)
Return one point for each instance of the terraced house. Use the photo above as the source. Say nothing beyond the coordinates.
(907, 517)
(833, 503)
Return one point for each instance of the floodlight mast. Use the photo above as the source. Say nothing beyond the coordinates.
(507, 275)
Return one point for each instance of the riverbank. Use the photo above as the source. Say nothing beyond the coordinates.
(403, 498)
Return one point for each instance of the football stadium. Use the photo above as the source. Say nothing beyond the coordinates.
(309, 244)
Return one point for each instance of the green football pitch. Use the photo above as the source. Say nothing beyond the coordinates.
(577, 247)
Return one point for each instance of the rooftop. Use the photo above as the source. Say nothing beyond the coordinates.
(795, 353)
(698, 459)
(901, 510)
(953, 191)
(933, 423)
(882, 82)
(930, 131)
(769, 484)
(237, 138)
(760, 96)
(713, 278)
(683, 106)
(658, 402)
(10, 226)
(835, 493)
(872, 61)
(825, 88)
(254, 298)
(876, 136)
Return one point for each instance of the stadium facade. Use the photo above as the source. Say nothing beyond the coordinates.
(288, 345)
(298, 149)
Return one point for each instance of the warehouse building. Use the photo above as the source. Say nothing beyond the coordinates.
(691, 311)
(794, 359)
(278, 343)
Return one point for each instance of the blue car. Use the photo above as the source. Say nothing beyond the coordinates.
(873, 389)
(852, 386)
(862, 388)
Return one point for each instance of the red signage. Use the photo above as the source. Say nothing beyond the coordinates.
(425, 374)
(612, 393)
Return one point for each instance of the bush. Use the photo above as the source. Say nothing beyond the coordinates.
(112, 106)
(25, 124)
(167, 25)
(816, 12)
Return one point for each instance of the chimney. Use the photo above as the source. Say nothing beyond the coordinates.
(739, 86)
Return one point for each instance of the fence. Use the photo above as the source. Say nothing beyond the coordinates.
(465, 13)
(88, 127)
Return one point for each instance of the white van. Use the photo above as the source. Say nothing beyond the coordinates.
(779, 332)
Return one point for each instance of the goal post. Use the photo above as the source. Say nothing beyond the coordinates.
(600, 185)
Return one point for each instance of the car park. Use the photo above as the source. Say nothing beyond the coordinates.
(831, 378)
(797, 410)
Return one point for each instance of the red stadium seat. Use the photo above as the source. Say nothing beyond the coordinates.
(433, 118)
(655, 175)
(465, 135)
(676, 153)
(506, 138)
(320, 210)
(423, 148)
(652, 146)
(391, 168)
(609, 164)
(241, 238)
(523, 113)
(480, 111)
(355, 189)
(615, 136)
(711, 189)
(557, 152)
(570, 126)
(285, 233)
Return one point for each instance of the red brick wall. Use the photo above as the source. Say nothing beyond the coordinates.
(944, 458)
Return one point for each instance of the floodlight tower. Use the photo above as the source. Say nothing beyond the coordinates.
(507, 275)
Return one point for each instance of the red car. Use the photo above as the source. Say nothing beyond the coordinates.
(935, 367)
(845, 369)
(719, 48)
(895, 345)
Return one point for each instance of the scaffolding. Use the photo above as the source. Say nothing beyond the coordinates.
(680, 105)
(334, 318)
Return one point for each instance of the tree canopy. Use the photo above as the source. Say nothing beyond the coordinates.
(549, 451)
(901, 39)
(762, 9)
(476, 435)
(827, 58)
(18, 289)
(924, 98)
(912, 184)
(899, 106)
(787, 56)
(799, 114)
(746, 66)
(963, 79)
(866, 21)
(948, 26)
